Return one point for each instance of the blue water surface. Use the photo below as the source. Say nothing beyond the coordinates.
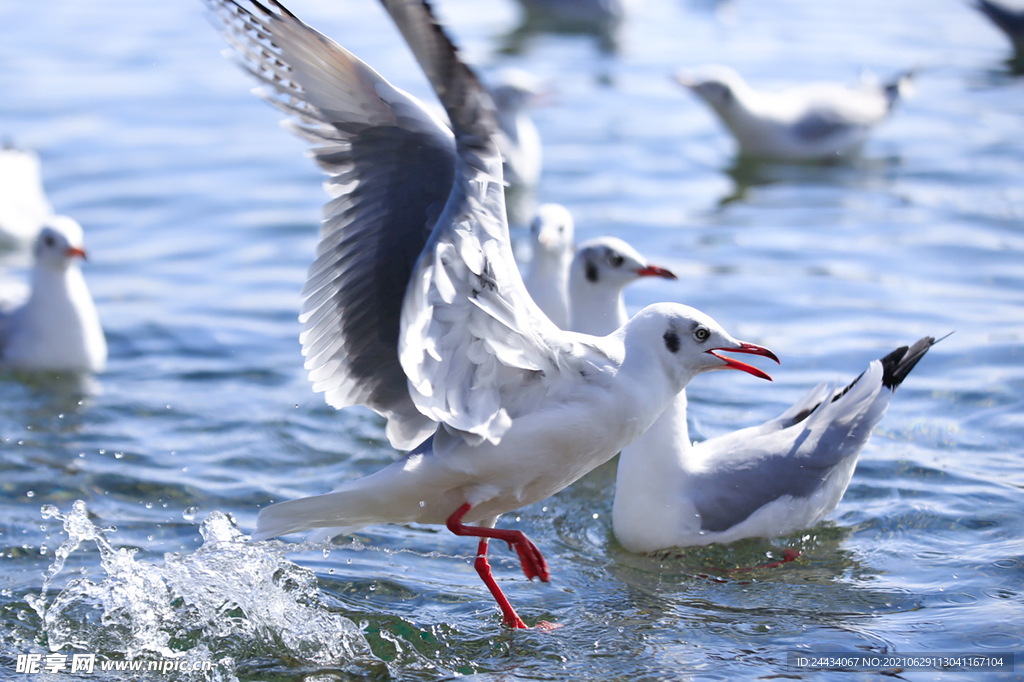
(201, 217)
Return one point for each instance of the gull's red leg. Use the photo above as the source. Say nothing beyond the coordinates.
(532, 561)
(529, 556)
(509, 615)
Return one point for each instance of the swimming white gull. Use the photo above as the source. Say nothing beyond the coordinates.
(57, 328)
(763, 481)
(23, 203)
(415, 308)
(547, 280)
(819, 122)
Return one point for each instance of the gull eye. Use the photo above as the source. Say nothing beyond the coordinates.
(702, 334)
(616, 259)
(49, 240)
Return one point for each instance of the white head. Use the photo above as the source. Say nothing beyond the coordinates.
(515, 89)
(598, 273)
(609, 264)
(59, 243)
(551, 231)
(685, 342)
(719, 86)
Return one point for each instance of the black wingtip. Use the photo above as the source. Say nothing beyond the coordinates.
(897, 364)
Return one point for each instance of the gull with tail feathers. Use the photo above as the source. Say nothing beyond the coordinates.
(763, 481)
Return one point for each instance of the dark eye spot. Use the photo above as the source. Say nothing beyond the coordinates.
(701, 334)
(591, 272)
(49, 241)
(616, 259)
(671, 341)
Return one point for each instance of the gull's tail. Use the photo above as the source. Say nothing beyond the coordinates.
(895, 368)
(897, 364)
(356, 504)
(406, 491)
(320, 511)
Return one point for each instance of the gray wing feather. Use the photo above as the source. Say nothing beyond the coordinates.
(818, 125)
(470, 331)
(391, 165)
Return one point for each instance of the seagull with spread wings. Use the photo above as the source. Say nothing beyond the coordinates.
(414, 305)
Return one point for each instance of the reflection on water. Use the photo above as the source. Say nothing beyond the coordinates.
(752, 174)
(601, 19)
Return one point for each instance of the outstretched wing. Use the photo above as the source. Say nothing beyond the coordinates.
(470, 332)
(391, 165)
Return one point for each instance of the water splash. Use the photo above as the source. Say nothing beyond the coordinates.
(229, 599)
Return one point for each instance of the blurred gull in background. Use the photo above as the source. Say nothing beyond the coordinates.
(514, 91)
(818, 122)
(415, 308)
(57, 328)
(23, 203)
(763, 481)
(551, 235)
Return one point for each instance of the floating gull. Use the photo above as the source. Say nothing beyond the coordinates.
(820, 122)
(763, 481)
(415, 308)
(57, 328)
(551, 235)
(23, 203)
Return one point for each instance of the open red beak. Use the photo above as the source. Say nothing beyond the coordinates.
(750, 348)
(75, 251)
(655, 271)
